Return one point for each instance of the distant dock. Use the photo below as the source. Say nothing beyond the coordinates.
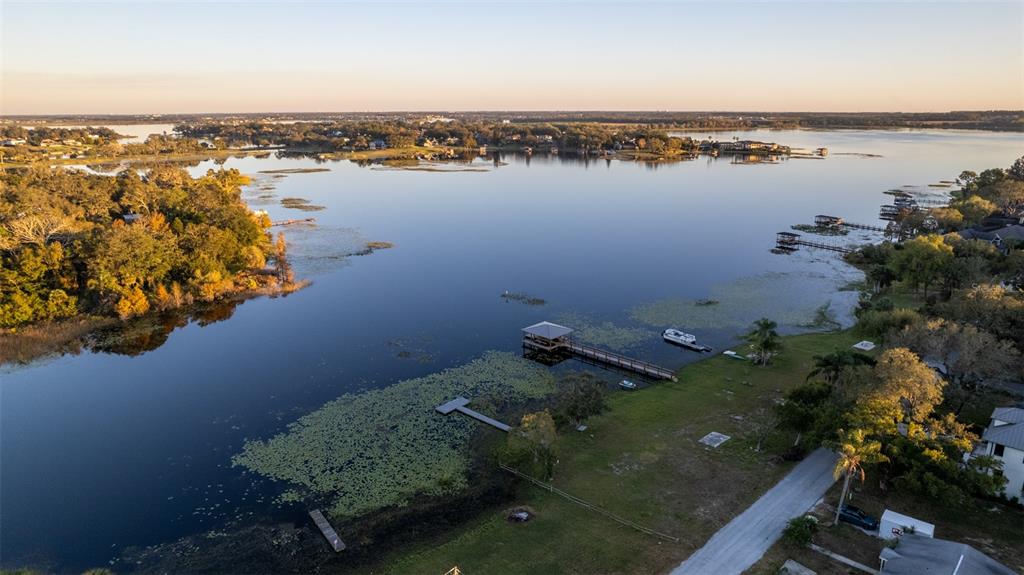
(327, 530)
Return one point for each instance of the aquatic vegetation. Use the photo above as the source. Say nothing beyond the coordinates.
(522, 298)
(604, 334)
(790, 299)
(301, 204)
(295, 171)
(415, 348)
(380, 448)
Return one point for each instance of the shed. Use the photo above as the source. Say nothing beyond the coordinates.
(895, 524)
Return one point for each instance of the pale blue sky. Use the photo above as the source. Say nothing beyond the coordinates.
(147, 57)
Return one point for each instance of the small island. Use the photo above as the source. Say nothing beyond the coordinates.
(79, 250)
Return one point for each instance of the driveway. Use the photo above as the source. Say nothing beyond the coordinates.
(748, 536)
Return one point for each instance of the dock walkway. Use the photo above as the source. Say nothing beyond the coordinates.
(327, 530)
(620, 361)
(459, 404)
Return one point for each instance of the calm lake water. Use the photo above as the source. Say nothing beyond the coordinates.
(102, 451)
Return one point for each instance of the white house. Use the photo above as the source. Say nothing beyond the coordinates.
(1004, 440)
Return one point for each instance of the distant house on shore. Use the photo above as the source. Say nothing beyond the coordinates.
(916, 554)
(12, 142)
(1000, 238)
(1004, 440)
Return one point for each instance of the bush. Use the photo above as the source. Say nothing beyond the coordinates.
(878, 323)
(800, 530)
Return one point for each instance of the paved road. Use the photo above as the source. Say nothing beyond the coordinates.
(748, 536)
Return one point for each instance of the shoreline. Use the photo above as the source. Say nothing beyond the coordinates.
(23, 347)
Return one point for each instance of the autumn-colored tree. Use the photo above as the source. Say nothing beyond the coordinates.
(132, 303)
(534, 438)
(907, 385)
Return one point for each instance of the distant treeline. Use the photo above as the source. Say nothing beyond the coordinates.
(986, 120)
(397, 133)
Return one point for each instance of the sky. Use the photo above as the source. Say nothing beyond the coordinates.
(194, 57)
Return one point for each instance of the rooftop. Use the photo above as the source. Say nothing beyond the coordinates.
(547, 330)
(1011, 432)
(917, 555)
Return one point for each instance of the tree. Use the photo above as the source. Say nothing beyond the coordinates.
(908, 389)
(809, 409)
(1016, 171)
(855, 451)
(973, 209)
(922, 260)
(970, 356)
(764, 340)
(584, 397)
(832, 366)
(534, 441)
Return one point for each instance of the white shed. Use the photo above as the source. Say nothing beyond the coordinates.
(894, 524)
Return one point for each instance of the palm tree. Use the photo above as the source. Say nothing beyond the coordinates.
(855, 451)
(830, 367)
(764, 340)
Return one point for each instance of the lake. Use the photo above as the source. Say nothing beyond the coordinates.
(101, 451)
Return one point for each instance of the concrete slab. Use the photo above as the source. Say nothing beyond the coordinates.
(714, 439)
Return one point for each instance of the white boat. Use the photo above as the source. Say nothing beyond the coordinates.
(627, 385)
(684, 339)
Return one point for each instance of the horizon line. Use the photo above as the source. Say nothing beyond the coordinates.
(501, 111)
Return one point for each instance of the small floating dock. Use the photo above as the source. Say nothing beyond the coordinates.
(552, 338)
(459, 404)
(327, 530)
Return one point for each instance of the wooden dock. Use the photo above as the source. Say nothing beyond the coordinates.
(556, 340)
(621, 361)
(327, 530)
(790, 242)
(459, 404)
(825, 221)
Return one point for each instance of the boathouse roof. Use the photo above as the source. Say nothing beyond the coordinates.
(547, 330)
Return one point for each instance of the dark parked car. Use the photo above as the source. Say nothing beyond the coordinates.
(855, 516)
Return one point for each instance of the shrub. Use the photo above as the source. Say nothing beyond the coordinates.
(800, 530)
(877, 323)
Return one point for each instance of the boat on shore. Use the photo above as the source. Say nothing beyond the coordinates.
(686, 340)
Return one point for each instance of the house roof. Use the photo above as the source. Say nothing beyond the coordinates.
(1014, 232)
(1011, 434)
(547, 330)
(1008, 414)
(918, 555)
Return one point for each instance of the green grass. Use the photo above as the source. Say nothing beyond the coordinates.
(640, 460)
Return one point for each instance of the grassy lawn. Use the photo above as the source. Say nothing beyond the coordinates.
(641, 460)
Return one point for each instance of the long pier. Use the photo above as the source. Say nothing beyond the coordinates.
(459, 404)
(790, 242)
(825, 221)
(620, 361)
(325, 527)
